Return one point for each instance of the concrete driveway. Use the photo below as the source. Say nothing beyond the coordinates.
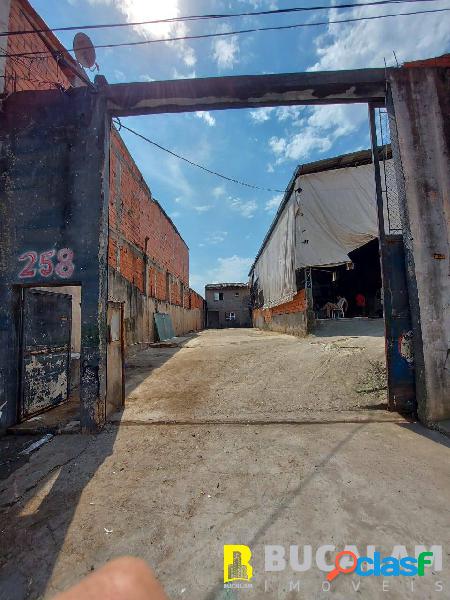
(237, 437)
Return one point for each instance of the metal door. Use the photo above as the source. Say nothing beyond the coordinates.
(115, 388)
(45, 364)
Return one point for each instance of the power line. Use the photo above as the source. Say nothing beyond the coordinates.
(208, 17)
(252, 30)
(194, 164)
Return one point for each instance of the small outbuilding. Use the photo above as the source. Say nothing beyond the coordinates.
(228, 305)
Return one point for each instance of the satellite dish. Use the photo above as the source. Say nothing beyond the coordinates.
(84, 50)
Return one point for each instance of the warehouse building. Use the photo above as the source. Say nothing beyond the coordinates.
(323, 245)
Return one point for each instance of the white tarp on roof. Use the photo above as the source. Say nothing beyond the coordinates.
(337, 214)
(275, 268)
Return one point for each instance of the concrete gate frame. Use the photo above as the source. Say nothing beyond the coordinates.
(65, 137)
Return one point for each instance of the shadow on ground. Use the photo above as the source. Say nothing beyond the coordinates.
(140, 366)
(358, 326)
(56, 479)
(56, 475)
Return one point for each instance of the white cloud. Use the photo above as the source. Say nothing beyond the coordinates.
(178, 75)
(260, 115)
(146, 10)
(216, 237)
(246, 208)
(226, 52)
(219, 191)
(319, 131)
(282, 113)
(206, 116)
(277, 145)
(175, 214)
(362, 44)
(233, 269)
(270, 168)
(299, 146)
(368, 43)
(189, 57)
(119, 75)
(202, 209)
(146, 78)
(272, 204)
(339, 119)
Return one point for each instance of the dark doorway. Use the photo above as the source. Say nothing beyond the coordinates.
(360, 277)
(213, 319)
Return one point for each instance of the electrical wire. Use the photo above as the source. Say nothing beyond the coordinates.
(192, 163)
(209, 17)
(246, 31)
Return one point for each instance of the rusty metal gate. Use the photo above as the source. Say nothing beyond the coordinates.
(45, 350)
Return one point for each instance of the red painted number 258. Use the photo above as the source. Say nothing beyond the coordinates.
(43, 263)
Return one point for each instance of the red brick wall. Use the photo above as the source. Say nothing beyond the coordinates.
(297, 304)
(29, 73)
(195, 300)
(138, 223)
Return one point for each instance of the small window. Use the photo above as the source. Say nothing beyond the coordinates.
(218, 296)
(230, 316)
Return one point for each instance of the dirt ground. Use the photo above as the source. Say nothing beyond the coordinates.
(236, 437)
(248, 374)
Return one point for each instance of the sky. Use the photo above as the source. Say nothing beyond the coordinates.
(224, 223)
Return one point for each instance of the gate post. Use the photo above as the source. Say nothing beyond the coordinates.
(397, 323)
(54, 175)
(420, 113)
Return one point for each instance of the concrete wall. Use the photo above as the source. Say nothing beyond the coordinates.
(139, 310)
(50, 193)
(421, 102)
(292, 317)
(235, 299)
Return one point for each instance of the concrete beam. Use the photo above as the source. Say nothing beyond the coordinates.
(246, 91)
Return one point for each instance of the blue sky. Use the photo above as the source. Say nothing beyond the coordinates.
(223, 223)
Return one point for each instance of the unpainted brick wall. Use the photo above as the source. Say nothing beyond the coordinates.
(297, 304)
(195, 300)
(139, 226)
(29, 72)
